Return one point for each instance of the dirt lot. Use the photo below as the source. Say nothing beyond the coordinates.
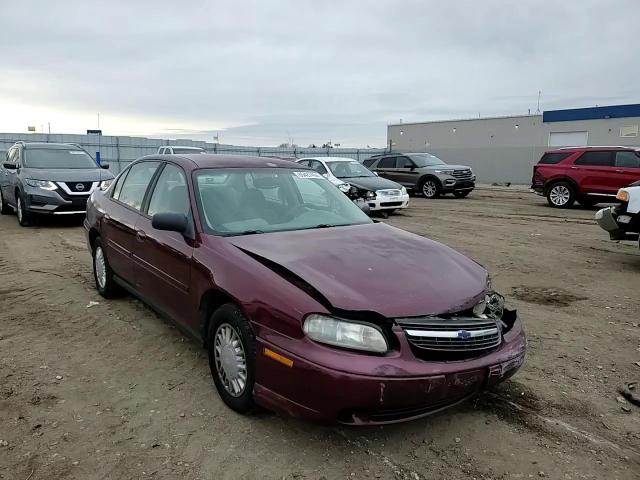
(112, 391)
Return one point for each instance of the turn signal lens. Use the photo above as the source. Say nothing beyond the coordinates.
(623, 195)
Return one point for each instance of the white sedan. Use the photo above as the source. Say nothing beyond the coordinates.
(382, 195)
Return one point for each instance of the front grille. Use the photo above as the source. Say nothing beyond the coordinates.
(389, 193)
(79, 187)
(462, 174)
(390, 204)
(441, 335)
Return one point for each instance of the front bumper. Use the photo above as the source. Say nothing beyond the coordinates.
(323, 389)
(452, 184)
(38, 200)
(618, 224)
(388, 202)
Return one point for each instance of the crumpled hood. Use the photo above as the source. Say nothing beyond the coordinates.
(371, 183)
(374, 267)
(68, 174)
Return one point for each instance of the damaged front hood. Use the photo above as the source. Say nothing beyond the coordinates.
(372, 267)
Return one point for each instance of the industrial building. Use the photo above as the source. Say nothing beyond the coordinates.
(504, 149)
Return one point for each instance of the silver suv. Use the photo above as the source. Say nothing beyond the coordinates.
(49, 178)
(424, 173)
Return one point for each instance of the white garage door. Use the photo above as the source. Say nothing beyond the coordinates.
(568, 139)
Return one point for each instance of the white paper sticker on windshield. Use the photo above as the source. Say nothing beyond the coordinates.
(307, 175)
(77, 152)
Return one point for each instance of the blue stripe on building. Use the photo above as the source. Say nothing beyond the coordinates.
(592, 113)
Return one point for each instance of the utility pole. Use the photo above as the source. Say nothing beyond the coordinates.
(539, 94)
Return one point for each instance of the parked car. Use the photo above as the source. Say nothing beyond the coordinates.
(379, 193)
(623, 221)
(179, 150)
(587, 174)
(287, 283)
(423, 173)
(49, 178)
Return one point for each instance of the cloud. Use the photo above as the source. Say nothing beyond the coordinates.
(263, 72)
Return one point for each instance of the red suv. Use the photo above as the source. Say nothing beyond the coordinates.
(586, 174)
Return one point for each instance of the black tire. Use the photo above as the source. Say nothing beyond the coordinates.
(561, 195)
(110, 289)
(24, 217)
(461, 193)
(430, 188)
(391, 211)
(225, 317)
(5, 209)
(587, 202)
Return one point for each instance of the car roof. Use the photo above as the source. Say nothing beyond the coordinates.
(589, 147)
(184, 146)
(210, 160)
(52, 146)
(330, 159)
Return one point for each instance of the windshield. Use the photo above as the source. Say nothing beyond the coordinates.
(57, 158)
(349, 169)
(249, 201)
(185, 151)
(425, 159)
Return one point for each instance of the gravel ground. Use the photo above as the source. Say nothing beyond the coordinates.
(108, 390)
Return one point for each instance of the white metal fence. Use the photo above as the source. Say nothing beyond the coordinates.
(120, 151)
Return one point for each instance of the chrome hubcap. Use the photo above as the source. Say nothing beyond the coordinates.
(231, 362)
(429, 188)
(559, 195)
(101, 268)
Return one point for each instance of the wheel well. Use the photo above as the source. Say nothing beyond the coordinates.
(93, 234)
(209, 303)
(429, 176)
(568, 180)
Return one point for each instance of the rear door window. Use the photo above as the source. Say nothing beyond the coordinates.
(387, 162)
(136, 184)
(627, 159)
(553, 158)
(597, 159)
(403, 162)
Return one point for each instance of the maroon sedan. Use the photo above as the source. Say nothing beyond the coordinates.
(306, 305)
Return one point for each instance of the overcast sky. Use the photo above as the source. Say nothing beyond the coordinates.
(268, 72)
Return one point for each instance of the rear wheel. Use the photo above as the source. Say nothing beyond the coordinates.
(102, 273)
(561, 195)
(232, 357)
(430, 188)
(24, 217)
(461, 193)
(5, 209)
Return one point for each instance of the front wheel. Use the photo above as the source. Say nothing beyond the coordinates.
(232, 357)
(461, 193)
(561, 195)
(24, 217)
(430, 188)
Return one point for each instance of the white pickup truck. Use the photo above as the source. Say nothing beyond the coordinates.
(623, 221)
(179, 150)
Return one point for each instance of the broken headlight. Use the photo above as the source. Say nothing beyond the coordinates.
(345, 334)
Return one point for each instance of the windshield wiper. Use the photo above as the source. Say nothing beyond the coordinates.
(246, 232)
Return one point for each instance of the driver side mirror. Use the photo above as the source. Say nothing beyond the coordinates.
(9, 166)
(104, 166)
(171, 222)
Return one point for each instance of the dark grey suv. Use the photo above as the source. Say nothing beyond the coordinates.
(48, 178)
(424, 173)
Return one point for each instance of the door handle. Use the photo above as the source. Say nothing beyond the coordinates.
(619, 171)
(140, 235)
(574, 168)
